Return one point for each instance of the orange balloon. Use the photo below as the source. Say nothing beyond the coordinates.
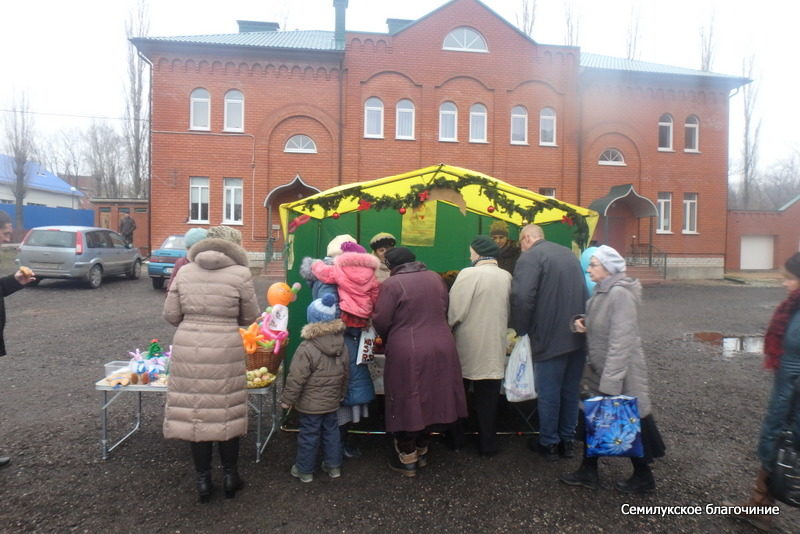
(280, 293)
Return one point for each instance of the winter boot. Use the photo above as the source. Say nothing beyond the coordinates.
(201, 456)
(349, 449)
(759, 496)
(641, 481)
(404, 463)
(229, 454)
(422, 456)
(586, 476)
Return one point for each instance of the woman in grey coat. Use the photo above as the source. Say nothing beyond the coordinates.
(616, 363)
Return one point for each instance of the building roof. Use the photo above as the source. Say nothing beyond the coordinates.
(297, 40)
(37, 177)
(597, 61)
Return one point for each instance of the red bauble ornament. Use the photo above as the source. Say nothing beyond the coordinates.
(335, 215)
(490, 209)
(402, 211)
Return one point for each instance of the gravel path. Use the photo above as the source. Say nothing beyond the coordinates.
(59, 336)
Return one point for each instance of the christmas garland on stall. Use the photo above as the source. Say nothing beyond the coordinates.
(419, 193)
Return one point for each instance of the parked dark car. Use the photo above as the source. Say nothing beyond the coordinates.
(80, 252)
(162, 260)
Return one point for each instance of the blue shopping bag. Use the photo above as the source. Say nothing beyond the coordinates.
(613, 427)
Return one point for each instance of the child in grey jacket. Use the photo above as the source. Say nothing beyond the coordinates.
(316, 385)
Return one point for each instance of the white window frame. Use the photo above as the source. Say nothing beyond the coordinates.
(478, 112)
(515, 117)
(547, 116)
(233, 98)
(465, 39)
(664, 205)
(232, 196)
(692, 124)
(448, 111)
(690, 213)
(665, 122)
(300, 144)
(549, 192)
(405, 109)
(372, 109)
(198, 97)
(198, 195)
(612, 156)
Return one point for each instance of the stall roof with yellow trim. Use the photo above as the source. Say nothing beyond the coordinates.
(478, 193)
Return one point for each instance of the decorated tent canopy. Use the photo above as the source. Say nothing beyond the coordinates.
(435, 211)
(463, 188)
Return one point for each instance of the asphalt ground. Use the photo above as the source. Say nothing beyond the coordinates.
(59, 335)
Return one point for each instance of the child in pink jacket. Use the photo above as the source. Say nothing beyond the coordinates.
(353, 272)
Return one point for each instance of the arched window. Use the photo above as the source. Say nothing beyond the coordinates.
(547, 127)
(691, 134)
(373, 118)
(404, 127)
(234, 111)
(301, 144)
(448, 122)
(477, 123)
(611, 156)
(519, 125)
(465, 39)
(200, 110)
(665, 132)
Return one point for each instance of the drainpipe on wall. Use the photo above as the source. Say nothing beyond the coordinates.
(339, 40)
(149, 158)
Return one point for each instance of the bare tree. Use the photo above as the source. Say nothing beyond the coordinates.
(104, 160)
(21, 146)
(707, 44)
(136, 124)
(779, 185)
(751, 129)
(527, 18)
(632, 43)
(572, 25)
(63, 154)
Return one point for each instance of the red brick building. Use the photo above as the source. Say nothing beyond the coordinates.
(242, 122)
(763, 239)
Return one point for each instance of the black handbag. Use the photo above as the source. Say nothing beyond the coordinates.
(784, 480)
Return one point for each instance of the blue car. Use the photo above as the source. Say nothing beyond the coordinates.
(162, 260)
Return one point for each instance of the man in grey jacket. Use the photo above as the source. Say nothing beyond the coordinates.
(547, 291)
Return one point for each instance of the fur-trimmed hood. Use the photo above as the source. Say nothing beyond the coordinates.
(213, 253)
(326, 337)
(356, 259)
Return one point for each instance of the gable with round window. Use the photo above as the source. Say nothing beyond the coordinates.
(465, 39)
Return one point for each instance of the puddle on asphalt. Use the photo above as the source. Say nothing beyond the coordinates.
(731, 346)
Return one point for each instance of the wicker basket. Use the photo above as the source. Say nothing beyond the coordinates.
(264, 358)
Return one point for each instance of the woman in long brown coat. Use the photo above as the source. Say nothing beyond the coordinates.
(422, 377)
(207, 393)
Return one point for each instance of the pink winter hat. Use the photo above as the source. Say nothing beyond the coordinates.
(353, 247)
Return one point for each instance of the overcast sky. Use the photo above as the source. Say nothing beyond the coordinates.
(69, 56)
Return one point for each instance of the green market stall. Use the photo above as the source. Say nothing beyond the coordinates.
(435, 211)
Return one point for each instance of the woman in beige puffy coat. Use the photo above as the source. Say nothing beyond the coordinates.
(207, 394)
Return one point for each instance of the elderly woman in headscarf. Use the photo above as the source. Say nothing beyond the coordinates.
(422, 378)
(616, 364)
(210, 298)
(478, 315)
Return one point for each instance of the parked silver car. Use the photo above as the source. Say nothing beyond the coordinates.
(81, 252)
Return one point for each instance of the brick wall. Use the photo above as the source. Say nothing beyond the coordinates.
(783, 226)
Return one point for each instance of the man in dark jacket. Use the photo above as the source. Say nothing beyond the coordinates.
(126, 227)
(9, 284)
(547, 291)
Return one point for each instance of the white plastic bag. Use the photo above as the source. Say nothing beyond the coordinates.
(366, 346)
(519, 383)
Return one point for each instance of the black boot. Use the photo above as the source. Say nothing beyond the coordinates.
(201, 455)
(204, 486)
(586, 476)
(229, 455)
(404, 463)
(641, 481)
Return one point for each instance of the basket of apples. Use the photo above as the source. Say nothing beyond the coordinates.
(259, 378)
